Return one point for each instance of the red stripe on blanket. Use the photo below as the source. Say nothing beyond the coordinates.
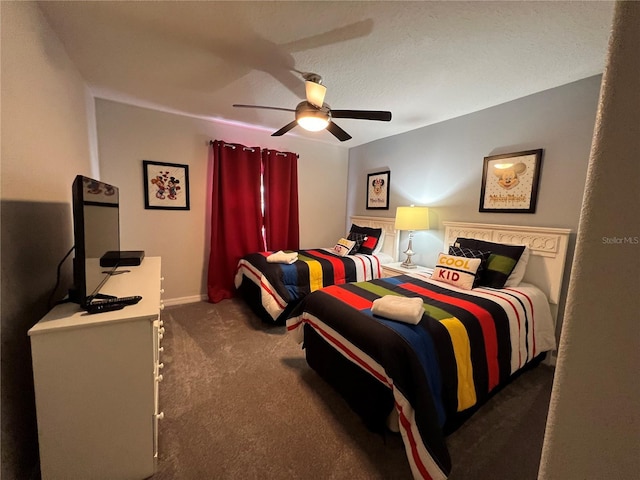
(350, 298)
(533, 330)
(406, 425)
(345, 350)
(338, 266)
(501, 297)
(486, 324)
(265, 286)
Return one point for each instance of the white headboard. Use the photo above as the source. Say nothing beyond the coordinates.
(391, 243)
(548, 250)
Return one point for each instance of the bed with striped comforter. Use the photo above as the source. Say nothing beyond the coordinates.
(468, 343)
(276, 287)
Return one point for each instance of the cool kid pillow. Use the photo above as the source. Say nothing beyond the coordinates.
(457, 271)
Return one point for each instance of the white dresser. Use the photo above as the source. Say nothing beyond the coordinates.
(96, 383)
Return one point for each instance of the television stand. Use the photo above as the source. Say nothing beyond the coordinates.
(96, 381)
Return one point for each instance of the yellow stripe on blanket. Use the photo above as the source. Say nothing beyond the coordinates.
(462, 351)
(315, 272)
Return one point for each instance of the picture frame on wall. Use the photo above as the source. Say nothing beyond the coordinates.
(166, 185)
(510, 182)
(378, 190)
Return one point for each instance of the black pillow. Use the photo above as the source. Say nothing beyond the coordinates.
(369, 232)
(359, 238)
(471, 253)
(500, 263)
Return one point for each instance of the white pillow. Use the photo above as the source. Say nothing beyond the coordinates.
(378, 248)
(519, 270)
(457, 271)
(343, 247)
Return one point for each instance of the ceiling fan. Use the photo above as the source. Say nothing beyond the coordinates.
(314, 115)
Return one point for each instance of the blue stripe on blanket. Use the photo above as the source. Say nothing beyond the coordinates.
(421, 342)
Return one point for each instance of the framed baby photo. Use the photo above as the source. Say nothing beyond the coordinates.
(166, 185)
(510, 182)
(378, 190)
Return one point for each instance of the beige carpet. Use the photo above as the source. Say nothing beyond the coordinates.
(240, 402)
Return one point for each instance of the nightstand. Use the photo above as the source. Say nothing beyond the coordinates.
(393, 269)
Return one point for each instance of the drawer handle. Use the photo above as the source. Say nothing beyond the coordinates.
(161, 365)
(159, 378)
(161, 349)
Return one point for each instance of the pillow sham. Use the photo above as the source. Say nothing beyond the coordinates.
(372, 238)
(471, 253)
(343, 247)
(457, 271)
(501, 262)
(518, 272)
(379, 245)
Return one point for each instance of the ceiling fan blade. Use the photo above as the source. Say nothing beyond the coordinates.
(337, 132)
(262, 106)
(380, 115)
(284, 129)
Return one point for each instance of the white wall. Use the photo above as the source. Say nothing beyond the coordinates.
(128, 135)
(45, 143)
(593, 428)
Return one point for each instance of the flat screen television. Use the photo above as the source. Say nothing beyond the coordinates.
(96, 231)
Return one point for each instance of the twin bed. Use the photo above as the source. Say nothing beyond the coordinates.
(273, 289)
(424, 379)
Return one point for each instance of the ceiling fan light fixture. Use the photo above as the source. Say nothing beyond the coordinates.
(313, 124)
(311, 118)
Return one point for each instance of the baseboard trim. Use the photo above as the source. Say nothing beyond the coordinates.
(182, 300)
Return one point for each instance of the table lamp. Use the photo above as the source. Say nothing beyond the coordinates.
(411, 218)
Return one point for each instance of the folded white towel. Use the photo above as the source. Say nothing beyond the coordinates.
(403, 309)
(281, 257)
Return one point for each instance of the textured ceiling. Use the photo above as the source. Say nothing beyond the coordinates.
(424, 61)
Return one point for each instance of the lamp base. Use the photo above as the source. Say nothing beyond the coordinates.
(409, 253)
(408, 264)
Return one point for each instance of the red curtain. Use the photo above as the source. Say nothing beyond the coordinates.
(280, 181)
(236, 214)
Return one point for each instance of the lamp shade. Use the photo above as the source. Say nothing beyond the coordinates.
(412, 218)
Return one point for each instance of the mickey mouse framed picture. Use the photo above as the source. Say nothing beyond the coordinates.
(378, 190)
(510, 182)
(166, 185)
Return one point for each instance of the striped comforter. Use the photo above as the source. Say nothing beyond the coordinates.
(467, 344)
(281, 284)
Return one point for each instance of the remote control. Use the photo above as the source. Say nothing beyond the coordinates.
(104, 307)
(111, 304)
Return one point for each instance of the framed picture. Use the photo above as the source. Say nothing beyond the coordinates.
(510, 182)
(166, 185)
(378, 191)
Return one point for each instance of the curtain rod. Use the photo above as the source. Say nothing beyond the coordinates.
(249, 149)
